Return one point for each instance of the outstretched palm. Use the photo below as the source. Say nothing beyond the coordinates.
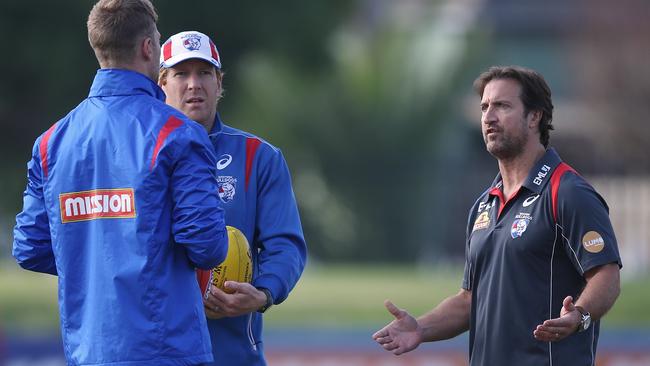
(401, 335)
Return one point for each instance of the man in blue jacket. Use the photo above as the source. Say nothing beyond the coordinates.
(255, 190)
(121, 204)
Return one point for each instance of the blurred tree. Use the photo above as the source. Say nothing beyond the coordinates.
(368, 100)
(362, 133)
(47, 68)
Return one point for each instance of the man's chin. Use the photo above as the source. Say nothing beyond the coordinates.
(193, 115)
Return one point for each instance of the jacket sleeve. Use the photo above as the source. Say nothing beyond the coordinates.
(280, 238)
(198, 218)
(32, 247)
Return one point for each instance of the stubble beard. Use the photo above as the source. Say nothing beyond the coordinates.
(506, 147)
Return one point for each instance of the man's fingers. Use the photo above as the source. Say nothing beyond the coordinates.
(383, 340)
(390, 346)
(394, 310)
(562, 322)
(218, 293)
(380, 334)
(213, 312)
(568, 303)
(547, 336)
(236, 286)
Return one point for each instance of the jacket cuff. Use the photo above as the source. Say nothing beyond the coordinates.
(273, 284)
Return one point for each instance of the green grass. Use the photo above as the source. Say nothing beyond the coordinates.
(353, 296)
(28, 300)
(327, 296)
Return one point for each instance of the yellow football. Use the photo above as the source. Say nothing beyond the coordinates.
(236, 267)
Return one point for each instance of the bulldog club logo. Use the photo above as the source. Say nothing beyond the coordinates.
(518, 227)
(227, 188)
(192, 42)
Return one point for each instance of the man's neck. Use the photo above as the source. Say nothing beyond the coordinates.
(136, 66)
(514, 171)
(209, 123)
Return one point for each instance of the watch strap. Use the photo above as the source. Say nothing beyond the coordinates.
(585, 319)
(269, 300)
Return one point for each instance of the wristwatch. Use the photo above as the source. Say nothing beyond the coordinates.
(585, 320)
(269, 300)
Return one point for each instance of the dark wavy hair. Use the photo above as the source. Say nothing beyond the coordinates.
(535, 93)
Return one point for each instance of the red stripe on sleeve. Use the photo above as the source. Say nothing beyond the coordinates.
(555, 184)
(251, 148)
(167, 50)
(42, 148)
(171, 124)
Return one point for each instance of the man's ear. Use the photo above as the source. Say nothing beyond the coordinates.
(534, 117)
(146, 48)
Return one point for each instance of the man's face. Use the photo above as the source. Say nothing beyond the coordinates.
(504, 125)
(192, 86)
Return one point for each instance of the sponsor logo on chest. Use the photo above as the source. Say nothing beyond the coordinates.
(483, 219)
(529, 201)
(485, 206)
(97, 204)
(224, 161)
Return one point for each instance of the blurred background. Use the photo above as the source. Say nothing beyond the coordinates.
(371, 102)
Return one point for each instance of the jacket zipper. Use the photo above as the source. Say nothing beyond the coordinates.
(251, 339)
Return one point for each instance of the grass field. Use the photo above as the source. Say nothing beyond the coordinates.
(353, 296)
(326, 297)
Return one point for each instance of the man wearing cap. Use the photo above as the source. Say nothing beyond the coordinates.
(255, 190)
(542, 262)
(121, 203)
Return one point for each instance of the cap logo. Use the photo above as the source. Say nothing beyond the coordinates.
(192, 42)
(593, 242)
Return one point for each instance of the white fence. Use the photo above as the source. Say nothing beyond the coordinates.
(629, 209)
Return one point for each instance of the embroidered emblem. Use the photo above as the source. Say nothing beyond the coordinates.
(519, 226)
(482, 221)
(227, 187)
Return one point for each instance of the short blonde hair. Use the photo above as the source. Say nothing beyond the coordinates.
(115, 27)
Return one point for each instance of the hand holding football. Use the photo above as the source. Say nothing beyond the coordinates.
(236, 267)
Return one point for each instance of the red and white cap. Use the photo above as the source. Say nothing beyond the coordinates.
(186, 45)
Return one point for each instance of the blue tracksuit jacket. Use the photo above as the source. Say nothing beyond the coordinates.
(121, 204)
(255, 190)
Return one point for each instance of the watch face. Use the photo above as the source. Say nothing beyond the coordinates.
(585, 322)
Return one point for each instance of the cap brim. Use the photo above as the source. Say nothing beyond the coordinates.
(186, 56)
